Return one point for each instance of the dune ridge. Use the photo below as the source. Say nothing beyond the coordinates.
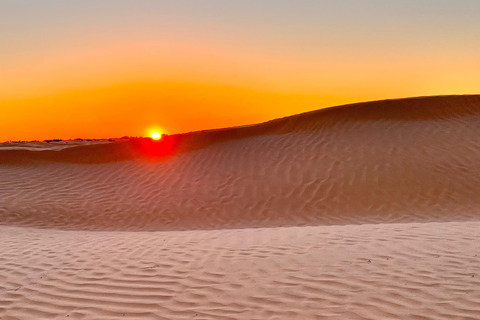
(408, 109)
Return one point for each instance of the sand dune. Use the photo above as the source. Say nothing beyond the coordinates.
(365, 211)
(408, 160)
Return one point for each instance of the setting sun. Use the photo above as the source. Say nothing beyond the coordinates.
(155, 132)
(156, 136)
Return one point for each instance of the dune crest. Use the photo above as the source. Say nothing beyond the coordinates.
(408, 109)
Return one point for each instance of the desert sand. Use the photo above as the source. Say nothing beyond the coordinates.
(363, 211)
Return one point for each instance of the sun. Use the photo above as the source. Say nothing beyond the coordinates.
(156, 135)
(155, 132)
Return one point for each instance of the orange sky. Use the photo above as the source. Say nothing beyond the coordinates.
(95, 81)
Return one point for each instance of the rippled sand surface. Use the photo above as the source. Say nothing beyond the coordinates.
(366, 211)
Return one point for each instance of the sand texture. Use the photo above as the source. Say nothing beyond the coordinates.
(364, 211)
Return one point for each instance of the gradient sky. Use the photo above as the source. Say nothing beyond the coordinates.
(109, 68)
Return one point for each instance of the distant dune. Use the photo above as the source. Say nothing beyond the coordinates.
(411, 109)
(362, 211)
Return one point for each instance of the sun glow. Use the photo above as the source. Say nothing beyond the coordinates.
(155, 132)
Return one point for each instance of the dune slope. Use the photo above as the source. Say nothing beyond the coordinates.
(406, 160)
(365, 211)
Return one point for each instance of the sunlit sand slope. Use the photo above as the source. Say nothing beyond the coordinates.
(408, 160)
(391, 271)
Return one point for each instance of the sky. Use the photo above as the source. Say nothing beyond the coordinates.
(110, 68)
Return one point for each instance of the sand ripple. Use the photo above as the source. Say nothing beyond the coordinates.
(395, 271)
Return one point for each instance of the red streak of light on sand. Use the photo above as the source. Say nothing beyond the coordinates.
(153, 149)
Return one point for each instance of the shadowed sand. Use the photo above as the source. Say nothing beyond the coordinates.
(365, 211)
